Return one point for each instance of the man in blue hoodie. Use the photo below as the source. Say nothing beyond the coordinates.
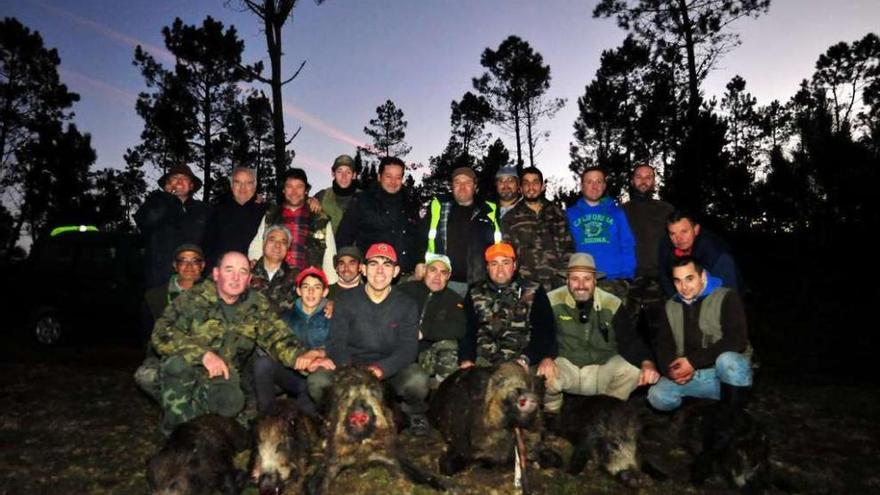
(600, 227)
(702, 345)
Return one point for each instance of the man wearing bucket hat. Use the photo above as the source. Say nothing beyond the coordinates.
(596, 340)
(508, 317)
(168, 218)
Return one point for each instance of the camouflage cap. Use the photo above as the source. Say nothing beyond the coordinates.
(188, 247)
(343, 161)
(509, 171)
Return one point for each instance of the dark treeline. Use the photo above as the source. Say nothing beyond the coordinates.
(802, 166)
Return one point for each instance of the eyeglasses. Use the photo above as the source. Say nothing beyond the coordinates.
(189, 262)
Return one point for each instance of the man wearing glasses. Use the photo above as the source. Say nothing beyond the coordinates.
(597, 342)
(188, 264)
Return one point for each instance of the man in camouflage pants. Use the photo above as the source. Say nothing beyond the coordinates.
(509, 318)
(205, 336)
(441, 317)
(538, 231)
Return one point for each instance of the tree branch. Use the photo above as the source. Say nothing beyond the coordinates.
(291, 78)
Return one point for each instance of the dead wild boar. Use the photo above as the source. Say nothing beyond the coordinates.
(284, 439)
(478, 410)
(603, 429)
(730, 448)
(360, 430)
(198, 458)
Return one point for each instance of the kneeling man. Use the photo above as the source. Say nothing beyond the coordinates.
(597, 342)
(206, 335)
(702, 341)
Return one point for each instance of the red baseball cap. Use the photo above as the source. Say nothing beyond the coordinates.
(313, 272)
(381, 249)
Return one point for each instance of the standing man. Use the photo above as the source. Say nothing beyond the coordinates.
(461, 228)
(235, 219)
(600, 227)
(270, 275)
(538, 231)
(441, 317)
(348, 262)
(206, 335)
(647, 218)
(703, 344)
(507, 187)
(597, 342)
(384, 214)
(311, 234)
(377, 327)
(687, 238)
(508, 318)
(336, 199)
(168, 218)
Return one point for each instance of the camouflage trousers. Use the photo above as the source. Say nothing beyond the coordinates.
(186, 392)
(440, 360)
(647, 299)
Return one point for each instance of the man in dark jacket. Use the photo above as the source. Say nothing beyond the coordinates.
(703, 345)
(377, 327)
(168, 218)
(686, 238)
(441, 317)
(384, 213)
(234, 220)
(336, 199)
(461, 228)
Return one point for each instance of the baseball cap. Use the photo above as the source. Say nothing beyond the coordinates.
(500, 249)
(442, 258)
(312, 272)
(381, 249)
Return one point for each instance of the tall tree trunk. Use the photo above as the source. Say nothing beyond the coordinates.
(273, 41)
(516, 125)
(207, 152)
(693, 82)
(529, 123)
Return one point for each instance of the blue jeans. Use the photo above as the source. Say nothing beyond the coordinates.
(731, 368)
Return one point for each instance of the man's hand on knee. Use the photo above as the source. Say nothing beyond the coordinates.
(215, 365)
(648, 374)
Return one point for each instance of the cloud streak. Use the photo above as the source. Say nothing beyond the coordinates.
(294, 111)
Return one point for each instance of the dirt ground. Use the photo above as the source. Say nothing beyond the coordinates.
(73, 422)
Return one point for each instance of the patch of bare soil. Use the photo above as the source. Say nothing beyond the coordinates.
(73, 422)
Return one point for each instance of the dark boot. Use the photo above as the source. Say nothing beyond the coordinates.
(735, 396)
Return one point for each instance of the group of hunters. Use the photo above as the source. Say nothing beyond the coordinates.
(599, 298)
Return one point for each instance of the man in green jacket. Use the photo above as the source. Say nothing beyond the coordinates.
(598, 346)
(206, 335)
(441, 317)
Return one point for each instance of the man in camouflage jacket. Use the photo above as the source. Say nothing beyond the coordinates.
(509, 317)
(538, 231)
(205, 336)
(270, 275)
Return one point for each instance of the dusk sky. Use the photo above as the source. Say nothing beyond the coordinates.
(419, 53)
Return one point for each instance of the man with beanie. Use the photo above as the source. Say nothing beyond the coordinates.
(460, 227)
(336, 199)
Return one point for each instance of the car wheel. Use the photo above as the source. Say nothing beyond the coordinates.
(47, 328)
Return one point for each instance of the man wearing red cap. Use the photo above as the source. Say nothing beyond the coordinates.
(509, 317)
(376, 327)
(309, 323)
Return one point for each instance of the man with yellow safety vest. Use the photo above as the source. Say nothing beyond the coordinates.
(461, 228)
